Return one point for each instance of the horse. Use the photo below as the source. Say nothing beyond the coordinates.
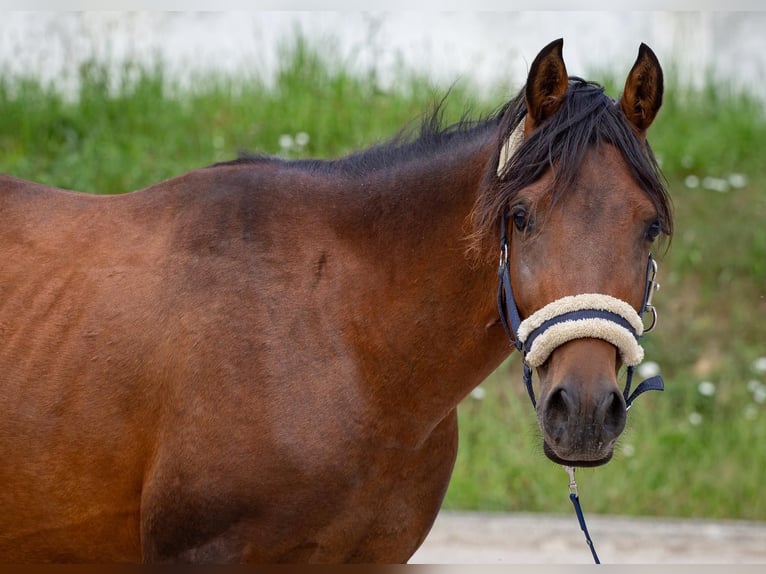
(261, 360)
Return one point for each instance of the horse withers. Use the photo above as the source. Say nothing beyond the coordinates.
(261, 361)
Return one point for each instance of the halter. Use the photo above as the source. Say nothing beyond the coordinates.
(589, 315)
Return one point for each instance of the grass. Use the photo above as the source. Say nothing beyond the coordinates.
(685, 453)
(133, 126)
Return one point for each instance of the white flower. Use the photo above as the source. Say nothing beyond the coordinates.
(648, 369)
(758, 389)
(286, 141)
(706, 388)
(695, 419)
(302, 139)
(715, 184)
(478, 393)
(759, 365)
(628, 449)
(692, 181)
(737, 180)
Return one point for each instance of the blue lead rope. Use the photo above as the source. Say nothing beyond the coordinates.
(578, 510)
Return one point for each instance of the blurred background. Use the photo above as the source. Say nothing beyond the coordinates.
(481, 47)
(108, 102)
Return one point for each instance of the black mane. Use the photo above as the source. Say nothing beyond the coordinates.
(432, 137)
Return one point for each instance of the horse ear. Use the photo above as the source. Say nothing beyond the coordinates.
(546, 85)
(642, 97)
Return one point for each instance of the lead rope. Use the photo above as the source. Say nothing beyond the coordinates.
(570, 470)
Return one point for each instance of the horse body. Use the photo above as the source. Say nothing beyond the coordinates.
(131, 388)
(260, 361)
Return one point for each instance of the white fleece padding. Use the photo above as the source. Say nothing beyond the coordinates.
(630, 351)
(510, 147)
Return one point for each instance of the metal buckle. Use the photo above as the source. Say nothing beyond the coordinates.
(651, 288)
(503, 255)
(651, 309)
(570, 470)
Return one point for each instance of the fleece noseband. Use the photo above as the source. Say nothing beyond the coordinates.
(578, 316)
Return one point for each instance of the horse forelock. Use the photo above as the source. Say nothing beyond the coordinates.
(587, 118)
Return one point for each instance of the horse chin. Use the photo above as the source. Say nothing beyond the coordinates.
(579, 462)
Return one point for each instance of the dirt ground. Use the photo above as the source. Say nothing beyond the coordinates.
(485, 538)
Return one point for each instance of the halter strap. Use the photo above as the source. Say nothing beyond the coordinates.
(509, 313)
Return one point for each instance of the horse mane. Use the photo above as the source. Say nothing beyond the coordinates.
(587, 118)
(430, 137)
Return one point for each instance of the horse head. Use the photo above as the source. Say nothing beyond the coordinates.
(581, 203)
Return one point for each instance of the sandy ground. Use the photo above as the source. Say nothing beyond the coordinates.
(484, 538)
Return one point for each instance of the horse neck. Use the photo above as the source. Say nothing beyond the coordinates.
(421, 318)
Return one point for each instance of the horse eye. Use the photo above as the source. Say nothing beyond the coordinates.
(520, 218)
(653, 231)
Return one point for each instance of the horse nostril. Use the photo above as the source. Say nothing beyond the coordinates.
(613, 413)
(556, 413)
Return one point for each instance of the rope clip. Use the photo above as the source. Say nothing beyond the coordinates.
(570, 470)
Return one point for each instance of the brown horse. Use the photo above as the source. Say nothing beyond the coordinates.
(261, 361)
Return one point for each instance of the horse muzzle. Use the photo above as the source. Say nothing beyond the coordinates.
(582, 413)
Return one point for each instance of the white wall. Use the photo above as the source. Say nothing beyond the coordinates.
(482, 47)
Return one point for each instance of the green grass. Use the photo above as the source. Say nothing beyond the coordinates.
(132, 126)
